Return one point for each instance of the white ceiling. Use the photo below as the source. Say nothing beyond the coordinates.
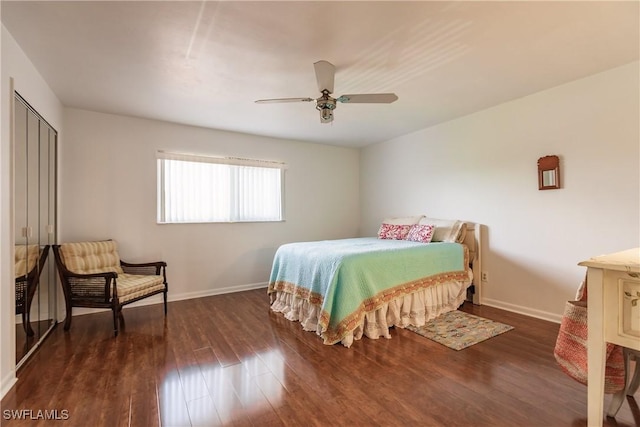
(204, 63)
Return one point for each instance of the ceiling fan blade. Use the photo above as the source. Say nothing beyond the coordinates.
(325, 72)
(273, 101)
(366, 98)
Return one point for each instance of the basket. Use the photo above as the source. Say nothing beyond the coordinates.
(571, 349)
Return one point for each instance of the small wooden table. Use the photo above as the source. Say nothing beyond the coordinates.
(613, 283)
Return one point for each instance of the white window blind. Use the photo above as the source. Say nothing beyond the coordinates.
(210, 189)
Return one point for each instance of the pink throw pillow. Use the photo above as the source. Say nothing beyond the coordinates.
(393, 232)
(421, 233)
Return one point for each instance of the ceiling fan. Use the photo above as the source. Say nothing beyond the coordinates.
(325, 72)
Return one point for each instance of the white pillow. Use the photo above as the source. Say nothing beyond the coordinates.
(447, 230)
(404, 220)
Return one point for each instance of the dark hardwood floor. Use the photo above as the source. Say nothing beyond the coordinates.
(25, 343)
(228, 360)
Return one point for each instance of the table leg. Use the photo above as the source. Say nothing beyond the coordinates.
(596, 347)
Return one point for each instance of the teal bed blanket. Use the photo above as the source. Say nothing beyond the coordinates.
(350, 277)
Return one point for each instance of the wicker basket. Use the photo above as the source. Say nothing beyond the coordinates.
(571, 349)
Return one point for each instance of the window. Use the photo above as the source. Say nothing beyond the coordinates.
(209, 189)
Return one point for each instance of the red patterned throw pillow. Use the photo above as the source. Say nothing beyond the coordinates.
(421, 233)
(393, 232)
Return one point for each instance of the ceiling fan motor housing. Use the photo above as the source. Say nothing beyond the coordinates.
(325, 103)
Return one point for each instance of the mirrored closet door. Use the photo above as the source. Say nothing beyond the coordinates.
(35, 143)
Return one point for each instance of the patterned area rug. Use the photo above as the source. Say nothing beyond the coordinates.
(457, 329)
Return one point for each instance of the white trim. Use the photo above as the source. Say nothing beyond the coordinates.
(531, 312)
(7, 382)
(9, 343)
(218, 291)
(237, 161)
(157, 299)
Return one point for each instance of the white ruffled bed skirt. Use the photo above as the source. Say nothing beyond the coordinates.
(413, 309)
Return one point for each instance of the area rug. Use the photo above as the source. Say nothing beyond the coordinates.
(458, 330)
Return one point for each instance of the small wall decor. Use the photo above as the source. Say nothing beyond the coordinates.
(548, 173)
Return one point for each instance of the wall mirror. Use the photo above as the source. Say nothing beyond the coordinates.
(34, 204)
(548, 173)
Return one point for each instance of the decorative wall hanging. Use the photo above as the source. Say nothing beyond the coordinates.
(548, 173)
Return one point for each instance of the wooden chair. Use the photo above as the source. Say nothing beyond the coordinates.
(29, 262)
(631, 381)
(93, 275)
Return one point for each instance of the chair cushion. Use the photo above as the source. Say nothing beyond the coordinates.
(131, 286)
(91, 257)
(26, 258)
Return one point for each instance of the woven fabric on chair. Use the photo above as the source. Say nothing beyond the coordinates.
(21, 294)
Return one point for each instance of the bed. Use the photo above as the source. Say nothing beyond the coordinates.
(349, 288)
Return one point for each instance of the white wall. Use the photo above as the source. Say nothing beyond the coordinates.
(28, 82)
(109, 180)
(107, 189)
(482, 168)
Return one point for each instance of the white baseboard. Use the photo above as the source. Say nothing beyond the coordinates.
(35, 316)
(7, 382)
(218, 291)
(531, 312)
(157, 299)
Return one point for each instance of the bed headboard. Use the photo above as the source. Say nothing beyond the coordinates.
(473, 241)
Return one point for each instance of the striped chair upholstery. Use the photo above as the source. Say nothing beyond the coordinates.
(93, 275)
(26, 257)
(91, 257)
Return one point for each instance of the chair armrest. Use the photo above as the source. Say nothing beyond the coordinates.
(145, 269)
(96, 286)
(107, 275)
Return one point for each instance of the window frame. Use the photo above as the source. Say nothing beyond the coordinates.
(161, 156)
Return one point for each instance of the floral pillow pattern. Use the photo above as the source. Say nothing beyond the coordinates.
(421, 233)
(393, 232)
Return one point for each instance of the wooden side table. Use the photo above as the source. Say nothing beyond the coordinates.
(613, 286)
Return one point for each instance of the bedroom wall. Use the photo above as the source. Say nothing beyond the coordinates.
(27, 81)
(482, 168)
(109, 180)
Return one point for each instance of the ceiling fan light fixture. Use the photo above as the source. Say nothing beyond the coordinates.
(326, 115)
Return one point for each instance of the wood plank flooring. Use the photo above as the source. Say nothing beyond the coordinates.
(227, 360)
(25, 343)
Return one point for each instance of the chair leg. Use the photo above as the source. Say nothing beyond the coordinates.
(635, 381)
(67, 319)
(31, 291)
(26, 323)
(165, 302)
(630, 386)
(618, 397)
(115, 321)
